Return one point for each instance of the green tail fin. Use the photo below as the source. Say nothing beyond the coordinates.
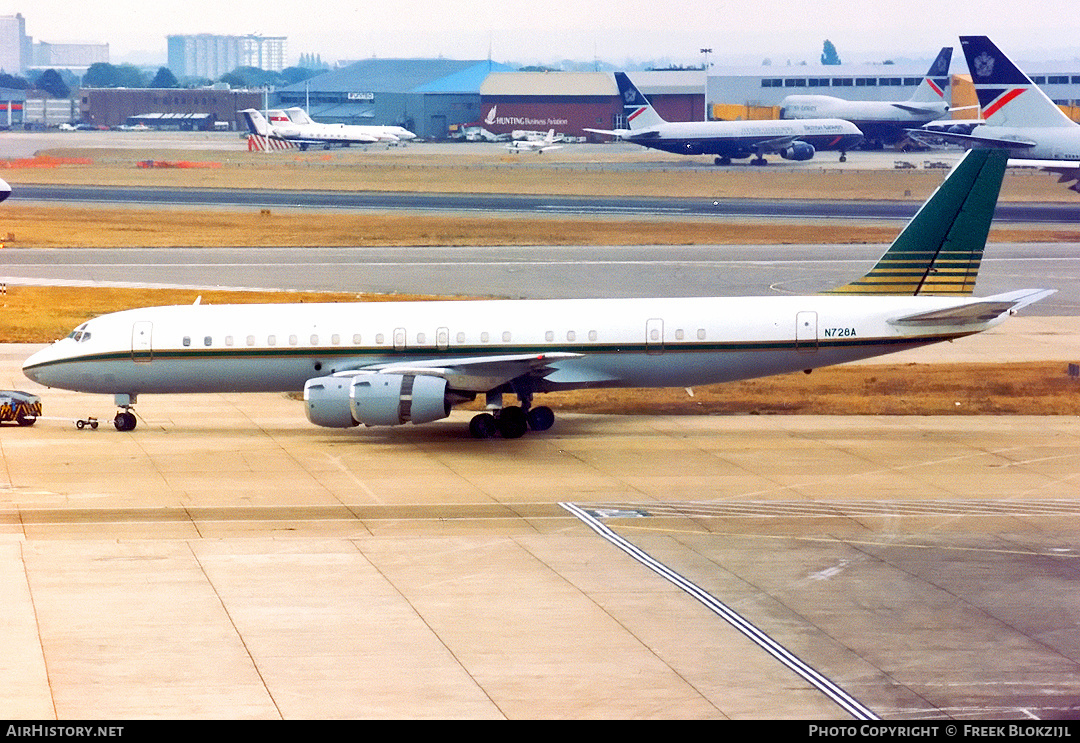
(939, 251)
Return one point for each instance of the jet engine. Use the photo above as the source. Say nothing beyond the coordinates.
(326, 402)
(375, 400)
(393, 399)
(797, 151)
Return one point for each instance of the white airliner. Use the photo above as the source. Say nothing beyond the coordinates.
(1017, 115)
(5, 189)
(306, 133)
(534, 145)
(792, 140)
(881, 122)
(389, 363)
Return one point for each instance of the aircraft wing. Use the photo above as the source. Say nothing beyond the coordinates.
(776, 143)
(975, 313)
(927, 136)
(476, 373)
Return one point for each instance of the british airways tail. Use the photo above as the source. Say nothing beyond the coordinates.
(936, 82)
(637, 110)
(1007, 97)
(940, 250)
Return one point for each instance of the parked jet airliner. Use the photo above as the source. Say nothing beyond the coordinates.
(1017, 115)
(881, 122)
(5, 189)
(389, 363)
(792, 140)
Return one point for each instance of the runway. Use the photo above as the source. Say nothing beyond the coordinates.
(542, 205)
(531, 272)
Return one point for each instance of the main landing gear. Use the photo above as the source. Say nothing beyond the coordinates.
(511, 422)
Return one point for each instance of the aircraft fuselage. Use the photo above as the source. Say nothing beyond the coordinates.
(621, 342)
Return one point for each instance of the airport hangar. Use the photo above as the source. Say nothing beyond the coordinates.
(435, 97)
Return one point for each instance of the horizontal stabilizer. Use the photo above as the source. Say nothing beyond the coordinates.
(620, 133)
(975, 313)
(923, 110)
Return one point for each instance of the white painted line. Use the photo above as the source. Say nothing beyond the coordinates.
(850, 705)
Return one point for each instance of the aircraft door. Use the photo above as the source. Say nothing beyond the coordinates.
(806, 338)
(654, 335)
(141, 341)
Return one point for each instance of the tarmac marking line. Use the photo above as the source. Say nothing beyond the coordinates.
(847, 702)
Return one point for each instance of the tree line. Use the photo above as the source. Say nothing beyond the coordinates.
(60, 83)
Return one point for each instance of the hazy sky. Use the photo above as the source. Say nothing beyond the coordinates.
(743, 32)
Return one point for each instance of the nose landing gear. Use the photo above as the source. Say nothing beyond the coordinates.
(125, 419)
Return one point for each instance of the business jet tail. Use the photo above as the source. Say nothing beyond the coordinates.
(940, 250)
(256, 123)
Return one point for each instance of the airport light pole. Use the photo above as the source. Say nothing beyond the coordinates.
(706, 52)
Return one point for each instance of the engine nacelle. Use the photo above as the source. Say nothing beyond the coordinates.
(326, 402)
(394, 399)
(797, 151)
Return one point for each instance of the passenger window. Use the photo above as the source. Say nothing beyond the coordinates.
(506, 336)
(571, 335)
(356, 339)
(251, 340)
(678, 334)
(701, 334)
(187, 341)
(208, 341)
(484, 337)
(421, 338)
(592, 335)
(460, 337)
(335, 339)
(271, 340)
(549, 336)
(314, 339)
(292, 340)
(379, 339)
(228, 340)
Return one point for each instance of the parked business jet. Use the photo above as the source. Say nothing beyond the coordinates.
(302, 136)
(1017, 115)
(534, 145)
(390, 363)
(792, 140)
(5, 189)
(382, 133)
(881, 122)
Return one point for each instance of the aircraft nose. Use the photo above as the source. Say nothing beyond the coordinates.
(5, 190)
(37, 368)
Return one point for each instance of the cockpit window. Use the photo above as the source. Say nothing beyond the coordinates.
(80, 334)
